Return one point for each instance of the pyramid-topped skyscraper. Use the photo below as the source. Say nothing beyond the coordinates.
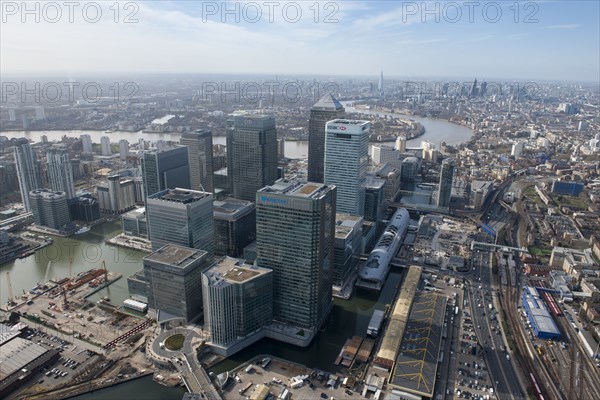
(327, 109)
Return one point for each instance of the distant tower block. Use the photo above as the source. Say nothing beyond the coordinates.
(401, 144)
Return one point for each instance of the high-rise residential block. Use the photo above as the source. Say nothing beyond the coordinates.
(27, 171)
(117, 195)
(50, 208)
(60, 172)
(105, 146)
(123, 149)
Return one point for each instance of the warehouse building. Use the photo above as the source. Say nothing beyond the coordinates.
(541, 321)
(19, 359)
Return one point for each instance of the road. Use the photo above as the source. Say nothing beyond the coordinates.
(480, 291)
(186, 362)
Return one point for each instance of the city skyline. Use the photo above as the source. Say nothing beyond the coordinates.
(547, 40)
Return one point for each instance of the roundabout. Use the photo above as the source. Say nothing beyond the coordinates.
(175, 342)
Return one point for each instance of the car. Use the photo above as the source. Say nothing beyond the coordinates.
(323, 395)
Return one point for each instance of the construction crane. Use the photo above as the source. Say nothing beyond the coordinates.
(11, 296)
(65, 304)
(105, 272)
(47, 273)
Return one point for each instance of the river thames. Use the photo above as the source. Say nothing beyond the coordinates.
(436, 131)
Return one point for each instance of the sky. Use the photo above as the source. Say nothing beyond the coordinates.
(541, 40)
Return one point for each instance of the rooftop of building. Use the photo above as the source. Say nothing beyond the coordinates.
(251, 119)
(175, 255)
(349, 121)
(390, 342)
(233, 270)
(297, 189)
(47, 193)
(417, 360)
(481, 185)
(16, 354)
(328, 102)
(374, 183)
(153, 150)
(138, 213)
(179, 195)
(231, 208)
(196, 133)
(387, 169)
(411, 159)
(345, 224)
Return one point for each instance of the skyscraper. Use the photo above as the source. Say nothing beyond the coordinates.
(346, 162)
(200, 153)
(165, 169)
(327, 109)
(123, 149)
(86, 143)
(295, 233)
(401, 144)
(183, 217)
(27, 171)
(49, 208)
(60, 172)
(445, 187)
(117, 196)
(380, 86)
(474, 88)
(39, 113)
(173, 279)
(238, 302)
(105, 144)
(251, 154)
(235, 226)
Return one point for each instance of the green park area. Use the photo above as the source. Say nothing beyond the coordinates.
(175, 342)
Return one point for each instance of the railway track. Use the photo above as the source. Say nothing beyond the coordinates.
(531, 363)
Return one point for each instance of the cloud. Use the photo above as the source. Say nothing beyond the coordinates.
(563, 26)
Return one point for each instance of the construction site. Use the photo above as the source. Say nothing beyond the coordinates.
(62, 304)
(97, 342)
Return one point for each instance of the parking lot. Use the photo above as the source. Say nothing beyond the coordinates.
(473, 380)
(276, 376)
(72, 360)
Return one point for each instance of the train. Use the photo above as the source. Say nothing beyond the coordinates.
(536, 387)
(373, 273)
